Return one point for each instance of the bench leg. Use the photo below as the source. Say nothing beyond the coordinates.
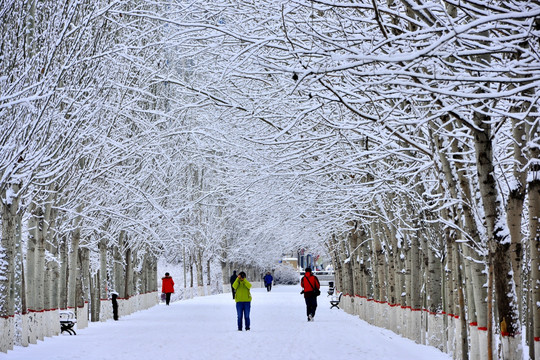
(68, 329)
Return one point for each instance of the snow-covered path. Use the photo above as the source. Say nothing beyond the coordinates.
(205, 328)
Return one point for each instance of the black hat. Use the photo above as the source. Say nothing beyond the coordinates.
(308, 269)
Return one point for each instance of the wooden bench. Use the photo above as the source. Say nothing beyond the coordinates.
(335, 301)
(67, 322)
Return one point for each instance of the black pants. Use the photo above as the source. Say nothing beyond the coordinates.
(233, 292)
(311, 305)
(115, 306)
(268, 287)
(167, 298)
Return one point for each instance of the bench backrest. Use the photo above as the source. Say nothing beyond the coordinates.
(66, 315)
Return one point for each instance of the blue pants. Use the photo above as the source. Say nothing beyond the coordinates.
(243, 308)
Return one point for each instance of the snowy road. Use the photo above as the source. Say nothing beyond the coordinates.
(205, 328)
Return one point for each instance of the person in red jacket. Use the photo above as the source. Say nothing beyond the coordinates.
(310, 285)
(167, 287)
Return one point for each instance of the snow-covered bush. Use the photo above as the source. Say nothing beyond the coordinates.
(286, 275)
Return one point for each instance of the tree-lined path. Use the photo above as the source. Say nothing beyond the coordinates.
(397, 140)
(204, 328)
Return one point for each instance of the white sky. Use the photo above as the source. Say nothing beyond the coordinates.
(205, 328)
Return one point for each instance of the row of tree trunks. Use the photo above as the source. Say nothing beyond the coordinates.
(57, 274)
(254, 274)
(360, 267)
(463, 290)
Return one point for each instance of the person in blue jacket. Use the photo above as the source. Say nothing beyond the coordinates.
(268, 281)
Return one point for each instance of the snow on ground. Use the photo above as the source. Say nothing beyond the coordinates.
(205, 328)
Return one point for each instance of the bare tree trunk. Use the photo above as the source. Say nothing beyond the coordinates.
(128, 284)
(82, 319)
(191, 272)
(461, 301)
(40, 273)
(63, 286)
(434, 282)
(119, 279)
(208, 274)
(47, 268)
(31, 273)
(338, 268)
(200, 278)
(139, 262)
(54, 265)
(450, 290)
(434, 300)
(354, 255)
(471, 304)
(393, 265)
(366, 270)
(184, 263)
(346, 267)
(416, 286)
(73, 272)
(499, 247)
(8, 246)
(351, 245)
(95, 297)
(85, 271)
(490, 348)
(102, 285)
(154, 280)
(19, 288)
(378, 252)
(531, 340)
(514, 207)
(534, 237)
(147, 271)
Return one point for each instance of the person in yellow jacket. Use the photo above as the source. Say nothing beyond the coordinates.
(243, 299)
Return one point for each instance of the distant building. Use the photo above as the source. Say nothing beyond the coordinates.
(290, 260)
(307, 259)
(303, 258)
